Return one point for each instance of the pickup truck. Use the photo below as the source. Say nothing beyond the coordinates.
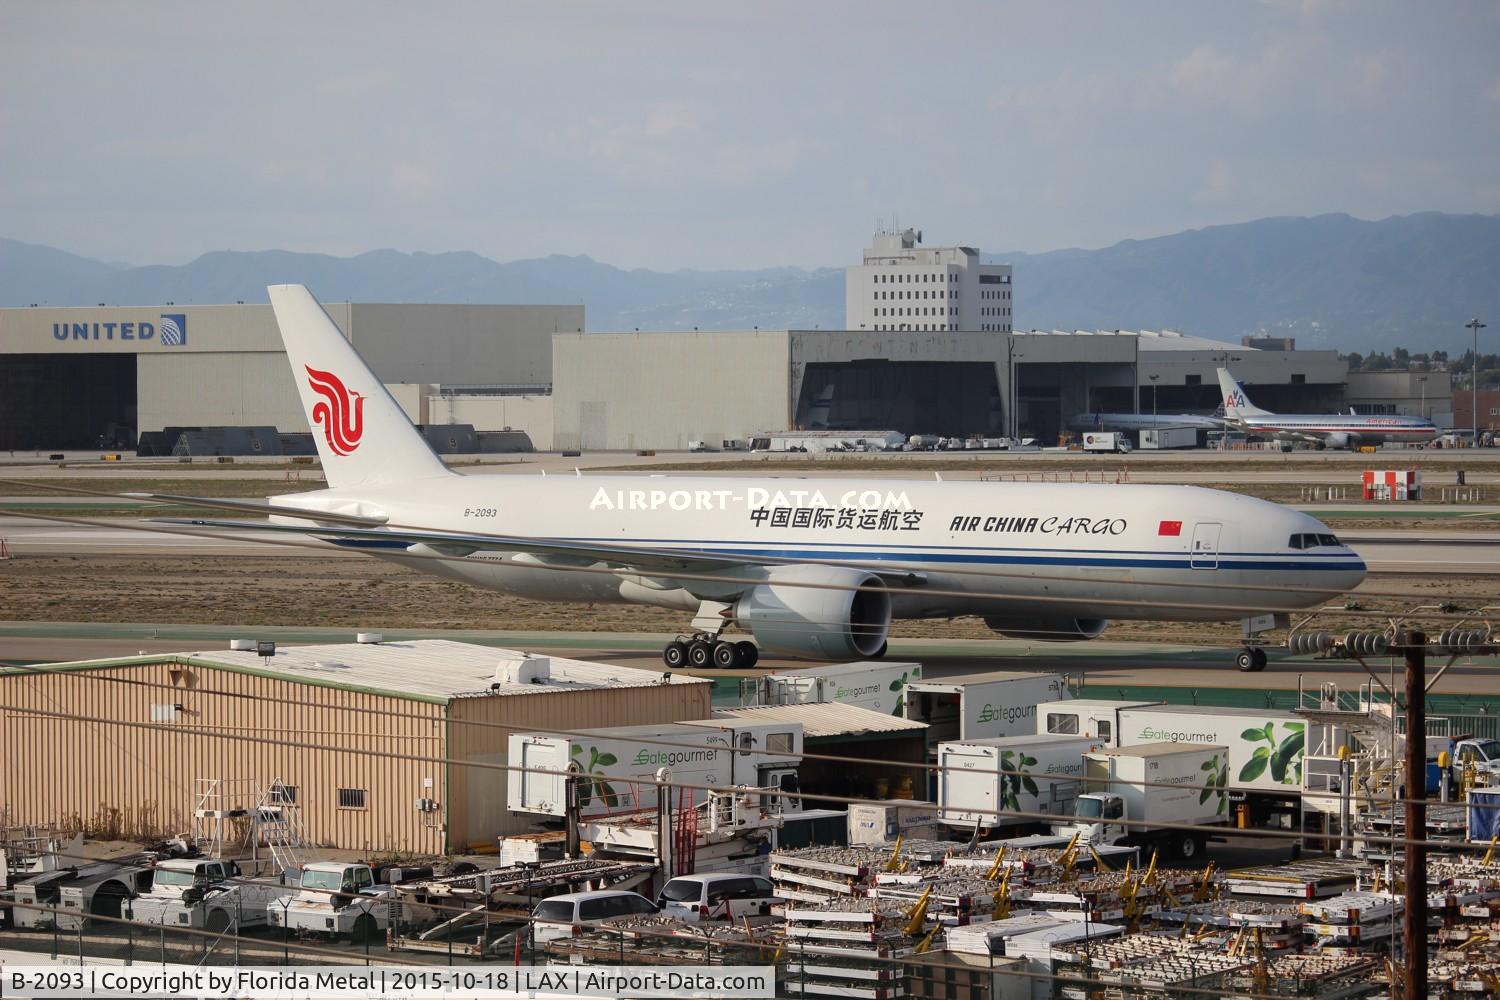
(203, 893)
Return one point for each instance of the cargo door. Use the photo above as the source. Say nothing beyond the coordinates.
(538, 791)
(1096, 774)
(1205, 552)
(963, 781)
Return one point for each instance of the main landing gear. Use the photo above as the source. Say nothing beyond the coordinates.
(704, 650)
(1250, 660)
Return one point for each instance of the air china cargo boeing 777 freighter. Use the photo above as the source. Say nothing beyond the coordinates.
(812, 568)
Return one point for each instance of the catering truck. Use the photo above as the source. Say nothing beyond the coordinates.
(1267, 750)
(1043, 774)
(879, 686)
(1095, 718)
(1106, 441)
(982, 706)
(617, 767)
(1154, 784)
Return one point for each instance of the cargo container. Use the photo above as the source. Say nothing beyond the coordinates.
(618, 766)
(982, 706)
(872, 823)
(1129, 792)
(1156, 438)
(876, 685)
(971, 789)
(1093, 717)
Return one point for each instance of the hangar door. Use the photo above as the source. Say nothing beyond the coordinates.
(67, 401)
(950, 398)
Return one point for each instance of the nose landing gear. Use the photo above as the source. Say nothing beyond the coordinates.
(1250, 660)
(705, 650)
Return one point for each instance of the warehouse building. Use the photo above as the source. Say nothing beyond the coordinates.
(371, 740)
(84, 377)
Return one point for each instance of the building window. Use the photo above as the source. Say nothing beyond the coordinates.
(1193, 380)
(1298, 379)
(351, 798)
(282, 795)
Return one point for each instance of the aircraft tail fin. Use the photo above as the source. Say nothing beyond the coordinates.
(362, 434)
(1236, 403)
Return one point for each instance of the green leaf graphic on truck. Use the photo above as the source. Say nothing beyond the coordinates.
(1011, 784)
(1282, 758)
(594, 786)
(1214, 782)
(899, 686)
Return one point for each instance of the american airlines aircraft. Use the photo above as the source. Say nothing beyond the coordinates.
(813, 568)
(1142, 421)
(1338, 430)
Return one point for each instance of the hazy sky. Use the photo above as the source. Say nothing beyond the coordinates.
(705, 135)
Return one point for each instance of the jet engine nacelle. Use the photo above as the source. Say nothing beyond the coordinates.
(1047, 629)
(1341, 440)
(816, 612)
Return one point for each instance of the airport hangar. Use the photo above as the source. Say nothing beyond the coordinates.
(76, 377)
(626, 391)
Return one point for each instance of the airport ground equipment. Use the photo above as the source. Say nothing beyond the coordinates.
(617, 767)
(980, 780)
(874, 823)
(1311, 878)
(982, 706)
(204, 894)
(1151, 785)
(102, 890)
(1161, 438)
(338, 900)
(879, 686)
(1108, 441)
(1095, 718)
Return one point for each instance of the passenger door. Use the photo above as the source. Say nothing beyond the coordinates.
(1205, 552)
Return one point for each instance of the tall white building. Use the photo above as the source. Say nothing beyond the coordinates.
(901, 286)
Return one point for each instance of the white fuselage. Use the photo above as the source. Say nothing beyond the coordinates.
(1343, 428)
(1106, 551)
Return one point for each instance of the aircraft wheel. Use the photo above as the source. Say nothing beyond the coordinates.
(1244, 661)
(674, 655)
(746, 653)
(726, 655)
(699, 654)
(1259, 656)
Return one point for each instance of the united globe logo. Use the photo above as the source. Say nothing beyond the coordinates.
(173, 329)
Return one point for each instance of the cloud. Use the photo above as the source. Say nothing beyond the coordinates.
(412, 179)
(669, 117)
(1244, 84)
(1217, 187)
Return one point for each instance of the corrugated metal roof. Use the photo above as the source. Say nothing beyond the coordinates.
(434, 669)
(828, 719)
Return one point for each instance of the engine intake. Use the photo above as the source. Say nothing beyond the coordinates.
(1047, 629)
(817, 612)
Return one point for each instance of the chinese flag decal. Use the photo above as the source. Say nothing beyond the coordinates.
(1170, 528)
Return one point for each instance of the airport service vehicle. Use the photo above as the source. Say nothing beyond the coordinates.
(197, 893)
(1134, 783)
(1159, 438)
(812, 568)
(1094, 718)
(337, 900)
(722, 896)
(618, 766)
(1333, 430)
(971, 789)
(100, 891)
(567, 915)
(1106, 441)
(982, 706)
(879, 687)
(1483, 755)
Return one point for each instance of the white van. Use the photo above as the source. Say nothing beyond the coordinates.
(567, 915)
(717, 897)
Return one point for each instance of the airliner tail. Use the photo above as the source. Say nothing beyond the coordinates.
(1236, 403)
(362, 435)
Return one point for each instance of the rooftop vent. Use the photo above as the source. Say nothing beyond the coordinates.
(368, 638)
(242, 645)
(532, 670)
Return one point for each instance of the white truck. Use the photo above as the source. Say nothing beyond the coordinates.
(1153, 784)
(101, 891)
(971, 789)
(982, 706)
(1160, 438)
(618, 766)
(879, 686)
(1114, 441)
(1267, 750)
(199, 893)
(1095, 718)
(336, 900)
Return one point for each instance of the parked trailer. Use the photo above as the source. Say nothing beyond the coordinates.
(1266, 749)
(982, 706)
(619, 766)
(1154, 784)
(1095, 718)
(877, 685)
(971, 790)
(1157, 438)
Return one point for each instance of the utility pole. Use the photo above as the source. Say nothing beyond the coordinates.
(1414, 929)
(1476, 326)
(1153, 379)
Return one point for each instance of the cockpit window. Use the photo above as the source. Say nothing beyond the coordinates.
(1327, 540)
(1312, 541)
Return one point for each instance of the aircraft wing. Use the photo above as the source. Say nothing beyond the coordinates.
(647, 561)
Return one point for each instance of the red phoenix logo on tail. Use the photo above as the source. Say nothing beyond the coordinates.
(340, 411)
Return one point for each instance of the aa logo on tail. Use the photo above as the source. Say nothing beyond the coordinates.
(340, 412)
(1236, 399)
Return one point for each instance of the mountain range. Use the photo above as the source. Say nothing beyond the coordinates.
(1331, 281)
